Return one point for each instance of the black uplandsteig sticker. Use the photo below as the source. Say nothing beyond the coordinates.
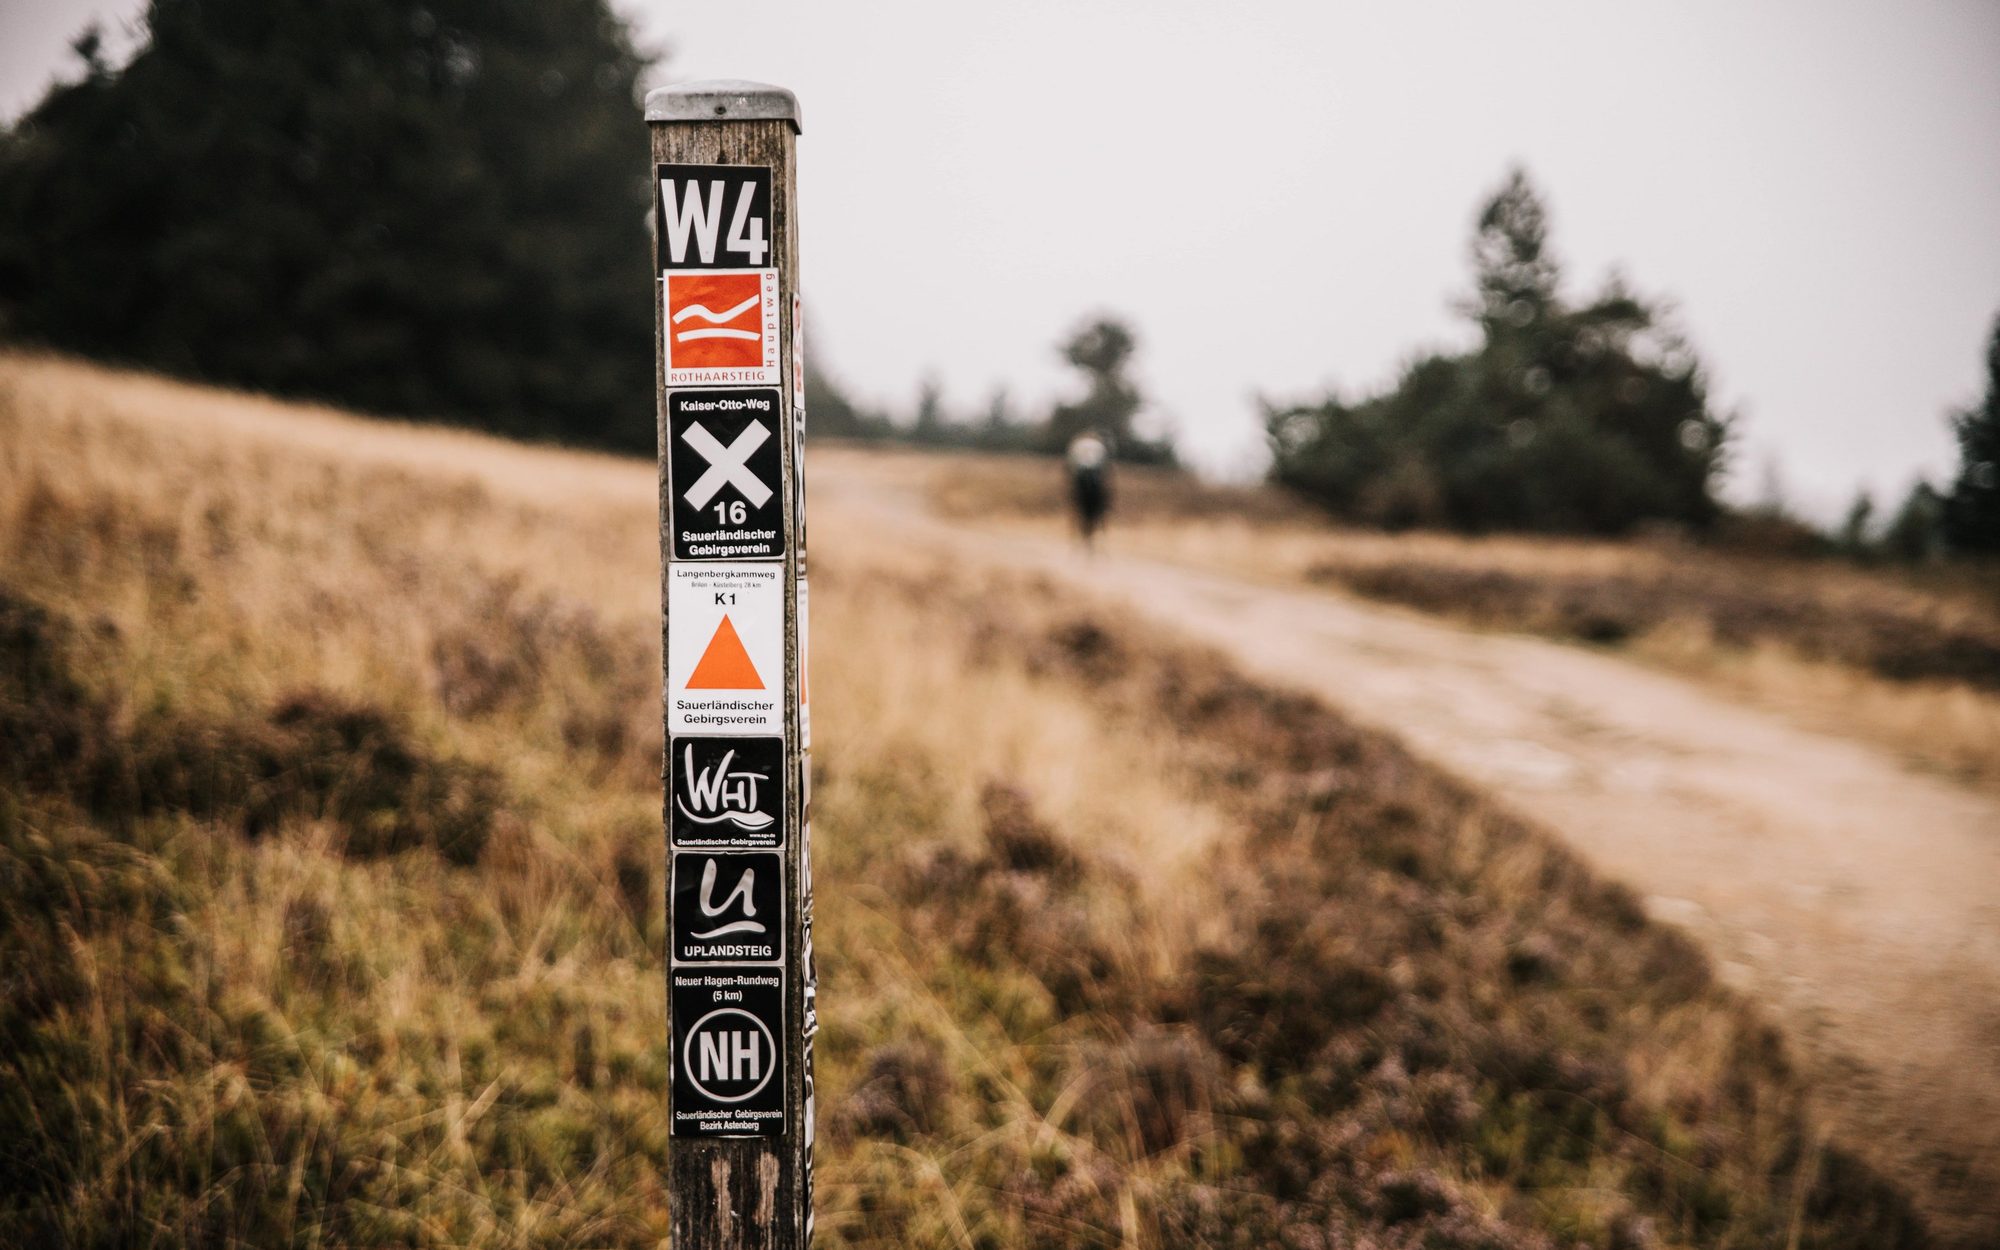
(728, 906)
(728, 480)
(729, 1068)
(727, 791)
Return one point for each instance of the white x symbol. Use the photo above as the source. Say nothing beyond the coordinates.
(725, 464)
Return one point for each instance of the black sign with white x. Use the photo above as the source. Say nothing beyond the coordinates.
(727, 474)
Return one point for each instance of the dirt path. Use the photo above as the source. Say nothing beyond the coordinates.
(1858, 900)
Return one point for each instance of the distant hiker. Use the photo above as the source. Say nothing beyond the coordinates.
(1089, 483)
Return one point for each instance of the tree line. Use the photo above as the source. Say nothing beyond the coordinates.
(1566, 418)
(1100, 350)
(433, 208)
(438, 209)
(1579, 418)
(429, 208)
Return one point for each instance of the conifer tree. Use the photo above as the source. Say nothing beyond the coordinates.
(1972, 510)
(427, 207)
(1566, 418)
(1101, 349)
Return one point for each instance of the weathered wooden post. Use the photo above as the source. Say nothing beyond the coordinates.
(733, 590)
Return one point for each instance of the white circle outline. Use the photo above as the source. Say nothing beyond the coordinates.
(687, 1058)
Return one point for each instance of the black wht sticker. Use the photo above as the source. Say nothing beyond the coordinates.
(728, 906)
(727, 792)
(725, 454)
(729, 1062)
(725, 648)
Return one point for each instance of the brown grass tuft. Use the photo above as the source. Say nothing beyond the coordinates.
(1738, 603)
(1117, 948)
(311, 756)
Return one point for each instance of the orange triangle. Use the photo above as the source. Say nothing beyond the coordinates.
(725, 665)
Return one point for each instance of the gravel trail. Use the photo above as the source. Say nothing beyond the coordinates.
(1857, 899)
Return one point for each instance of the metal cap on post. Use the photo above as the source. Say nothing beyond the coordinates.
(741, 992)
(723, 99)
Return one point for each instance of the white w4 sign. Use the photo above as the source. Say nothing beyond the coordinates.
(693, 200)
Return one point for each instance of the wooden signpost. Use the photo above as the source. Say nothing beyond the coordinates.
(741, 990)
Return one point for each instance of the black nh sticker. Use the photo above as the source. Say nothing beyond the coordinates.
(728, 1057)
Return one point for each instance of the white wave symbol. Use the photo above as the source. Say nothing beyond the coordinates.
(742, 820)
(735, 926)
(700, 310)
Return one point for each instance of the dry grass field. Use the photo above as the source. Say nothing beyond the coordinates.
(1906, 658)
(330, 896)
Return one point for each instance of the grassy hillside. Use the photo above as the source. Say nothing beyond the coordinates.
(1905, 657)
(330, 897)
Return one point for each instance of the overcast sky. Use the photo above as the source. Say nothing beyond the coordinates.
(1278, 196)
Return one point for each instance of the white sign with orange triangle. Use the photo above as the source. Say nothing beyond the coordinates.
(725, 648)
